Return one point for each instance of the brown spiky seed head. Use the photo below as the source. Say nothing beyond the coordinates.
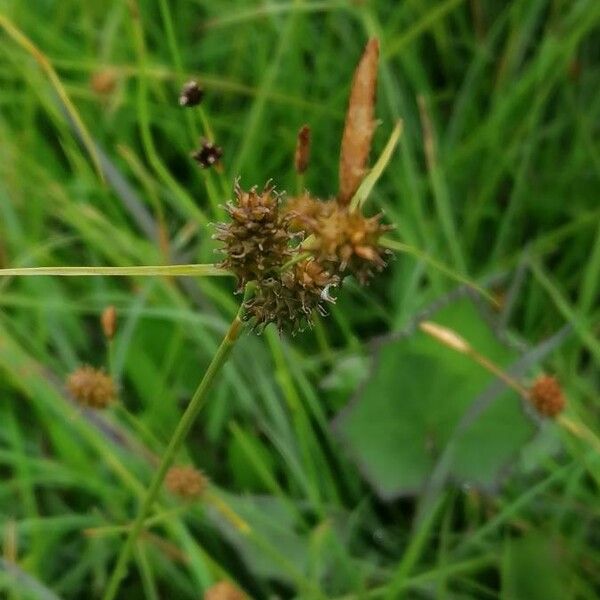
(256, 242)
(546, 396)
(346, 240)
(91, 387)
(224, 590)
(208, 154)
(191, 94)
(108, 319)
(289, 301)
(186, 482)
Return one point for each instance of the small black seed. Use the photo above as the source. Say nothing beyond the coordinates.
(191, 94)
(208, 154)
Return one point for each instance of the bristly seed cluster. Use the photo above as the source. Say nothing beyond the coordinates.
(343, 240)
(91, 388)
(208, 155)
(257, 241)
(186, 482)
(546, 396)
(295, 252)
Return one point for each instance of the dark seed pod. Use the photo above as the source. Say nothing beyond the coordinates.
(208, 154)
(191, 94)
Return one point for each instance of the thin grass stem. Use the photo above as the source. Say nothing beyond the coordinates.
(207, 270)
(177, 439)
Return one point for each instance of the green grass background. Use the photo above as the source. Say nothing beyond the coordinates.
(505, 190)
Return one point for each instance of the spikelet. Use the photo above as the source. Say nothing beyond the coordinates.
(360, 123)
(305, 210)
(256, 242)
(289, 301)
(224, 590)
(191, 94)
(91, 387)
(186, 482)
(103, 83)
(108, 320)
(546, 396)
(208, 155)
(302, 154)
(349, 242)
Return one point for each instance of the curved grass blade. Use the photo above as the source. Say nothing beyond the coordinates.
(26, 44)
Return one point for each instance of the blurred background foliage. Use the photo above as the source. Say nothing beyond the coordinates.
(364, 459)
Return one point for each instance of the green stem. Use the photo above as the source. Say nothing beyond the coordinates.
(368, 183)
(207, 270)
(177, 439)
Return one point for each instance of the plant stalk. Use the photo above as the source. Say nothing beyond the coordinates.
(207, 270)
(177, 439)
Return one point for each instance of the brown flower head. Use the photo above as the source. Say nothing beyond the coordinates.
(208, 154)
(191, 94)
(360, 123)
(185, 482)
(305, 210)
(302, 154)
(103, 82)
(108, 320)
(546, 396)
(290, 300)
(91, 387)
(224, 590)
(349, 241)
(256, 242)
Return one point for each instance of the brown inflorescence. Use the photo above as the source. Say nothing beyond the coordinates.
(546, 396)
(349, 241)
(360, 123)
(302, 154)
(343, 240)
(208, 155)
(186, 482)
(257, 241)
(305, 210)
(103, 82)
(289, 300)
(91, 387)
(224, 590)
(191, 94)
(108, 319)
(295, 251)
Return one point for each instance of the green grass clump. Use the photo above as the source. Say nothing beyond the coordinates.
(358, 459)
